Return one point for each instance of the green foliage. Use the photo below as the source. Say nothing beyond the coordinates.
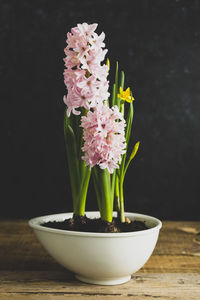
(78, 172)
(120, 173)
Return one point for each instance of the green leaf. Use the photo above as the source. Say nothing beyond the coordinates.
(117, 202)
(121, 84)
(116, 75)
(97, 187)
(113, 184)
(66, 121)
(129, 122)
(113, 95)
(122, 78)
(80, 206)
(117, 100)
(127, 136)
(72, 158)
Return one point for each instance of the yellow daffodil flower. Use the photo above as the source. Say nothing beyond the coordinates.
(125, 95)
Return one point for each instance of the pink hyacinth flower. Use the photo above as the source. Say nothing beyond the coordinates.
(104, 136)
(85, 78)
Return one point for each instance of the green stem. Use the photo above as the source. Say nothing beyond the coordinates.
(122, 107)
(106, 200)
(122, 214)
(126, 167)
(121, 84)
(97, 187)
(113, 186)
(114, 95)
(117, 203)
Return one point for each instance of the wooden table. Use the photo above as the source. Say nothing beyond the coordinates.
(28, 272)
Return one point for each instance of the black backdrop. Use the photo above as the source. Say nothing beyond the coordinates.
(157, 44)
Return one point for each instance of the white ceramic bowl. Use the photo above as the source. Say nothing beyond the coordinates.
(99, 258)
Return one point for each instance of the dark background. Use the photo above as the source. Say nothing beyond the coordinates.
(158, 46)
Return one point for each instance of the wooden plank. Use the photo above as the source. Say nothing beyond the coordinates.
(141, 286)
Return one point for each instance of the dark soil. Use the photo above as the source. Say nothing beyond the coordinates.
(85, 224)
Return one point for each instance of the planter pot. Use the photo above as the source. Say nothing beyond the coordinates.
(99, 258)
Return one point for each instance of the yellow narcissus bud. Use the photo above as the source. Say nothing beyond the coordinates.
(135, 149)
(125, 95)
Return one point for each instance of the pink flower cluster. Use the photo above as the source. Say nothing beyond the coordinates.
(104, 137)
(84, 76)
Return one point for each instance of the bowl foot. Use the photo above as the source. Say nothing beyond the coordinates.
(111, 281)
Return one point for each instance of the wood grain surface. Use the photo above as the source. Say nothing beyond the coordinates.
(28, 272)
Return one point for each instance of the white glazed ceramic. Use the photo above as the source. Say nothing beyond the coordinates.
(99, 258)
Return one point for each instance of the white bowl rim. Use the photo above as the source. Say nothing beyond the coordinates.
(35, 224)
